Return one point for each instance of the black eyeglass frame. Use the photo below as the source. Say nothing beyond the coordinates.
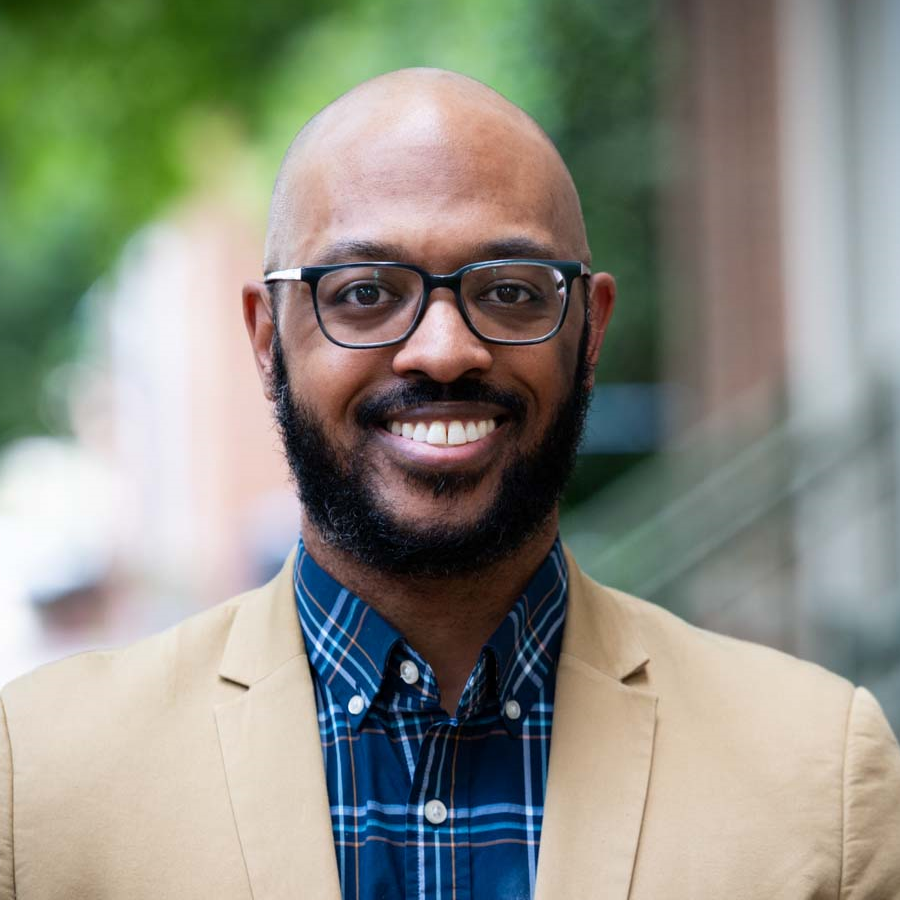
(311, 275)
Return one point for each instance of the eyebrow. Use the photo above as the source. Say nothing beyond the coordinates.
(350, 250)
(513, 248)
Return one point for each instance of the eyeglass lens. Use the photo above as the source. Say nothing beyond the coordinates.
(372, 304)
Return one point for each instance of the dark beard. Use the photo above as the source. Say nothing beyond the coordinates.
(335, 490)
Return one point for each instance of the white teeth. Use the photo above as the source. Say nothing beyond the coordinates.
(453, 433)
(456, 433)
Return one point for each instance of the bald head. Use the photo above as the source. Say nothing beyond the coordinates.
(423, 136)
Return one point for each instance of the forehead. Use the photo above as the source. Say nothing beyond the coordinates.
(436, 182)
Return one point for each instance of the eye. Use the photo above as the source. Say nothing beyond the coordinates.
(511, 294)
(366, 293)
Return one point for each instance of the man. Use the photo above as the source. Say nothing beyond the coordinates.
(377, 721)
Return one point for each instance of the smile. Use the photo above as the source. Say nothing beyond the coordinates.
(442, 432)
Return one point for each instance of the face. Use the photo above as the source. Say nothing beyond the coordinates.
(391, 501)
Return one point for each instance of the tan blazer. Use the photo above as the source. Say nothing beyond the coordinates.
(683, 765)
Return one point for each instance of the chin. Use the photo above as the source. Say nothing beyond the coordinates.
(431, 496)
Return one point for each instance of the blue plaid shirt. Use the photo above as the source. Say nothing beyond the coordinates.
(424, 804)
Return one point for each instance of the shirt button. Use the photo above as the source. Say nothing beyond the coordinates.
(409, 671)
(512, 710)
(356, 704)
(435, 812)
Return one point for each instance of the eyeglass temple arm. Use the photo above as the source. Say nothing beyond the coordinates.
(284, 275)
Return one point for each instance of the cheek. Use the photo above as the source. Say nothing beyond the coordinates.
(334, 379)
(558, 374)
(543, 373)
(556, 383)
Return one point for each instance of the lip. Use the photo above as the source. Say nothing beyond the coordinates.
(446, 456)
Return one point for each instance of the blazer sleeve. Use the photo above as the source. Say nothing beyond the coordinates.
(871, 809)
(7, 875)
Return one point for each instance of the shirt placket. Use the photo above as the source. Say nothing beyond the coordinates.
(435, 865)
(437, 855)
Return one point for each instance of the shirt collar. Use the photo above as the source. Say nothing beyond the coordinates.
(347, 642)
(352, 648)
(526, 645)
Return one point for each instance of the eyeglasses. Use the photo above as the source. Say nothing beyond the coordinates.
(504, 301)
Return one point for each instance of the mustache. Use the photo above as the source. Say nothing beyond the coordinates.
(375, 410)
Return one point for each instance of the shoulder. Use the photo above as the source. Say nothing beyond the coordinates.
(692, 660)
(195, 638)
(774, 711)
(92, 745)
(124, 691)
(727, 702)
(743, 726)
(807, 760)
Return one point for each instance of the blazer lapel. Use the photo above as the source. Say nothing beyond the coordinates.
(600, 752)
(273, 758)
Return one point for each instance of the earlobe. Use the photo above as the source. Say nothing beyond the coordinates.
(260, 323)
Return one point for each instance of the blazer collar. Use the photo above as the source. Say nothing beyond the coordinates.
(599, 629)
(265, 632)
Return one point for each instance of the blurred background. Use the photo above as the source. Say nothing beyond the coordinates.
(738, 166)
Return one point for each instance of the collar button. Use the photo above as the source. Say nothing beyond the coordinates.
(409, 671)
(512, 710)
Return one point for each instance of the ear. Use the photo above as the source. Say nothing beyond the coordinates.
(601, 300)
(259, 319)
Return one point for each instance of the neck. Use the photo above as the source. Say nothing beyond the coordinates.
(447, 620)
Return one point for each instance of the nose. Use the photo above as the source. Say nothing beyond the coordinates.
(442, 347)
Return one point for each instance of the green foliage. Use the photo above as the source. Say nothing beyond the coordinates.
(605, 122)
(96, 97)
(91, 95)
